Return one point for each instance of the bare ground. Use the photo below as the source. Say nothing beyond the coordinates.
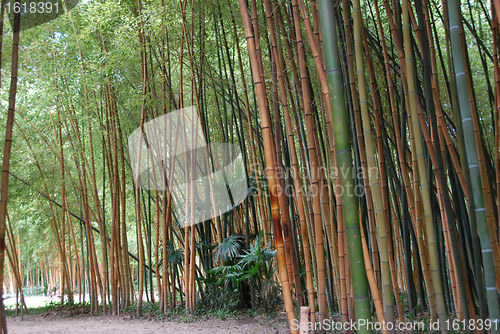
(79, 324)
(78, 320)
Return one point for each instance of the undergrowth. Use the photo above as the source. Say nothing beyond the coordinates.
(149, 311)
(52, 308)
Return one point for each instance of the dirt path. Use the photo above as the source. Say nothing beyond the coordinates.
(37, 324)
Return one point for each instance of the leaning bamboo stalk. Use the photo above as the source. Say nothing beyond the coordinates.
(285, 210)
(424, 187)
(58, 234)
(297, 178)
(92, 163)
(373, 173)
(373, 284)
(314, 167)
(6, 158)
(268, 147)
(253, 153)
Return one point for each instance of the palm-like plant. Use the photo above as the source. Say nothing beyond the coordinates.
(245, 272)
(229, 249)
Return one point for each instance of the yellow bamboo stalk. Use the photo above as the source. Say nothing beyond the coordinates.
(424, 186)
(269, 153)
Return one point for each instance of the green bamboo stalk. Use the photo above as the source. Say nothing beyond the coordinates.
(344, 159)
(476, 191)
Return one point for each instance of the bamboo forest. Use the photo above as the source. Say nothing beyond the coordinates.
(250, 166)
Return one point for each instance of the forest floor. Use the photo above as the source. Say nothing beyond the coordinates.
(79, 321)
(37, 324)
